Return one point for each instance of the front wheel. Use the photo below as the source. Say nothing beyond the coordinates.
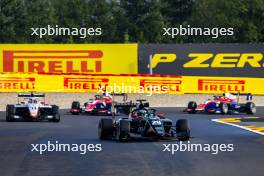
(105, 129)
(123, 130)
(10, 112)
(76, 108)
(192, 105)
(183, 130)
(55, 113)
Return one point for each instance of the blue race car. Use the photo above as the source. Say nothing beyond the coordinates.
(224, 104)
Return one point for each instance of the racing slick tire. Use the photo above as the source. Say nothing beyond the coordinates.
(251, 108)
(105, 129)
(192, 105)
(123, 130)
(224, 108)
(55, 113)
(182, 130)
(10, 112)
(76, 105)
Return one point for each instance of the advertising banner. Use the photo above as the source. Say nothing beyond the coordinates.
(128, 83)
(219, 85)
(69, 58)
(225, 60)
(205, 68)
(118, 83)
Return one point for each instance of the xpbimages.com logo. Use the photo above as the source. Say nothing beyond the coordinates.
(65, 31)
(188, 30)
(62, 147)
(191, 147)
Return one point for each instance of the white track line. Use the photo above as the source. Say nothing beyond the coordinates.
(238, 126)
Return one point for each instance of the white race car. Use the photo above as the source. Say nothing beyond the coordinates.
(32, 107)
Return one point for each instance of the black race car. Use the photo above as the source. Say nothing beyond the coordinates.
(146, 124)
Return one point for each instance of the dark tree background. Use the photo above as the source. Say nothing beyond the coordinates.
(127, 21)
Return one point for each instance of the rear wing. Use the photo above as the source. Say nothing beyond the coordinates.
(31, 94)
(129, 104)
(141, 101)
(249, 96)
(124, 95)
(124, 102)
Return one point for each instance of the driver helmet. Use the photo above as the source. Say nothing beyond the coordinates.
(140, 106)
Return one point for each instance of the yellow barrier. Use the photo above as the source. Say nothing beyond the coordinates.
(129, 83)
(91, 67)
(69, 58)
(214, 85)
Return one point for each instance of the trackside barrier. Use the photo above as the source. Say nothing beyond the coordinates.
(128, 83)
(216, 85)
(119, 83)
(94, 67)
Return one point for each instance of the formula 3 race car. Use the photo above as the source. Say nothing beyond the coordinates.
(100, 104)
(32, 108)
(146, 125)
(105, 105)
(225, 104)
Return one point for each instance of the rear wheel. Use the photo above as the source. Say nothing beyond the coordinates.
(182, 130)
(123, 130)
(10, 113)
(224, 108)
(251, 108)
(105, 129)
(192, 105)
(55, 113)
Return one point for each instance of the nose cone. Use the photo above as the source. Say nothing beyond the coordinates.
(33, 110)
(34, 115)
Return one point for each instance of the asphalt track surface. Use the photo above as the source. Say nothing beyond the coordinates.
(130, 158)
